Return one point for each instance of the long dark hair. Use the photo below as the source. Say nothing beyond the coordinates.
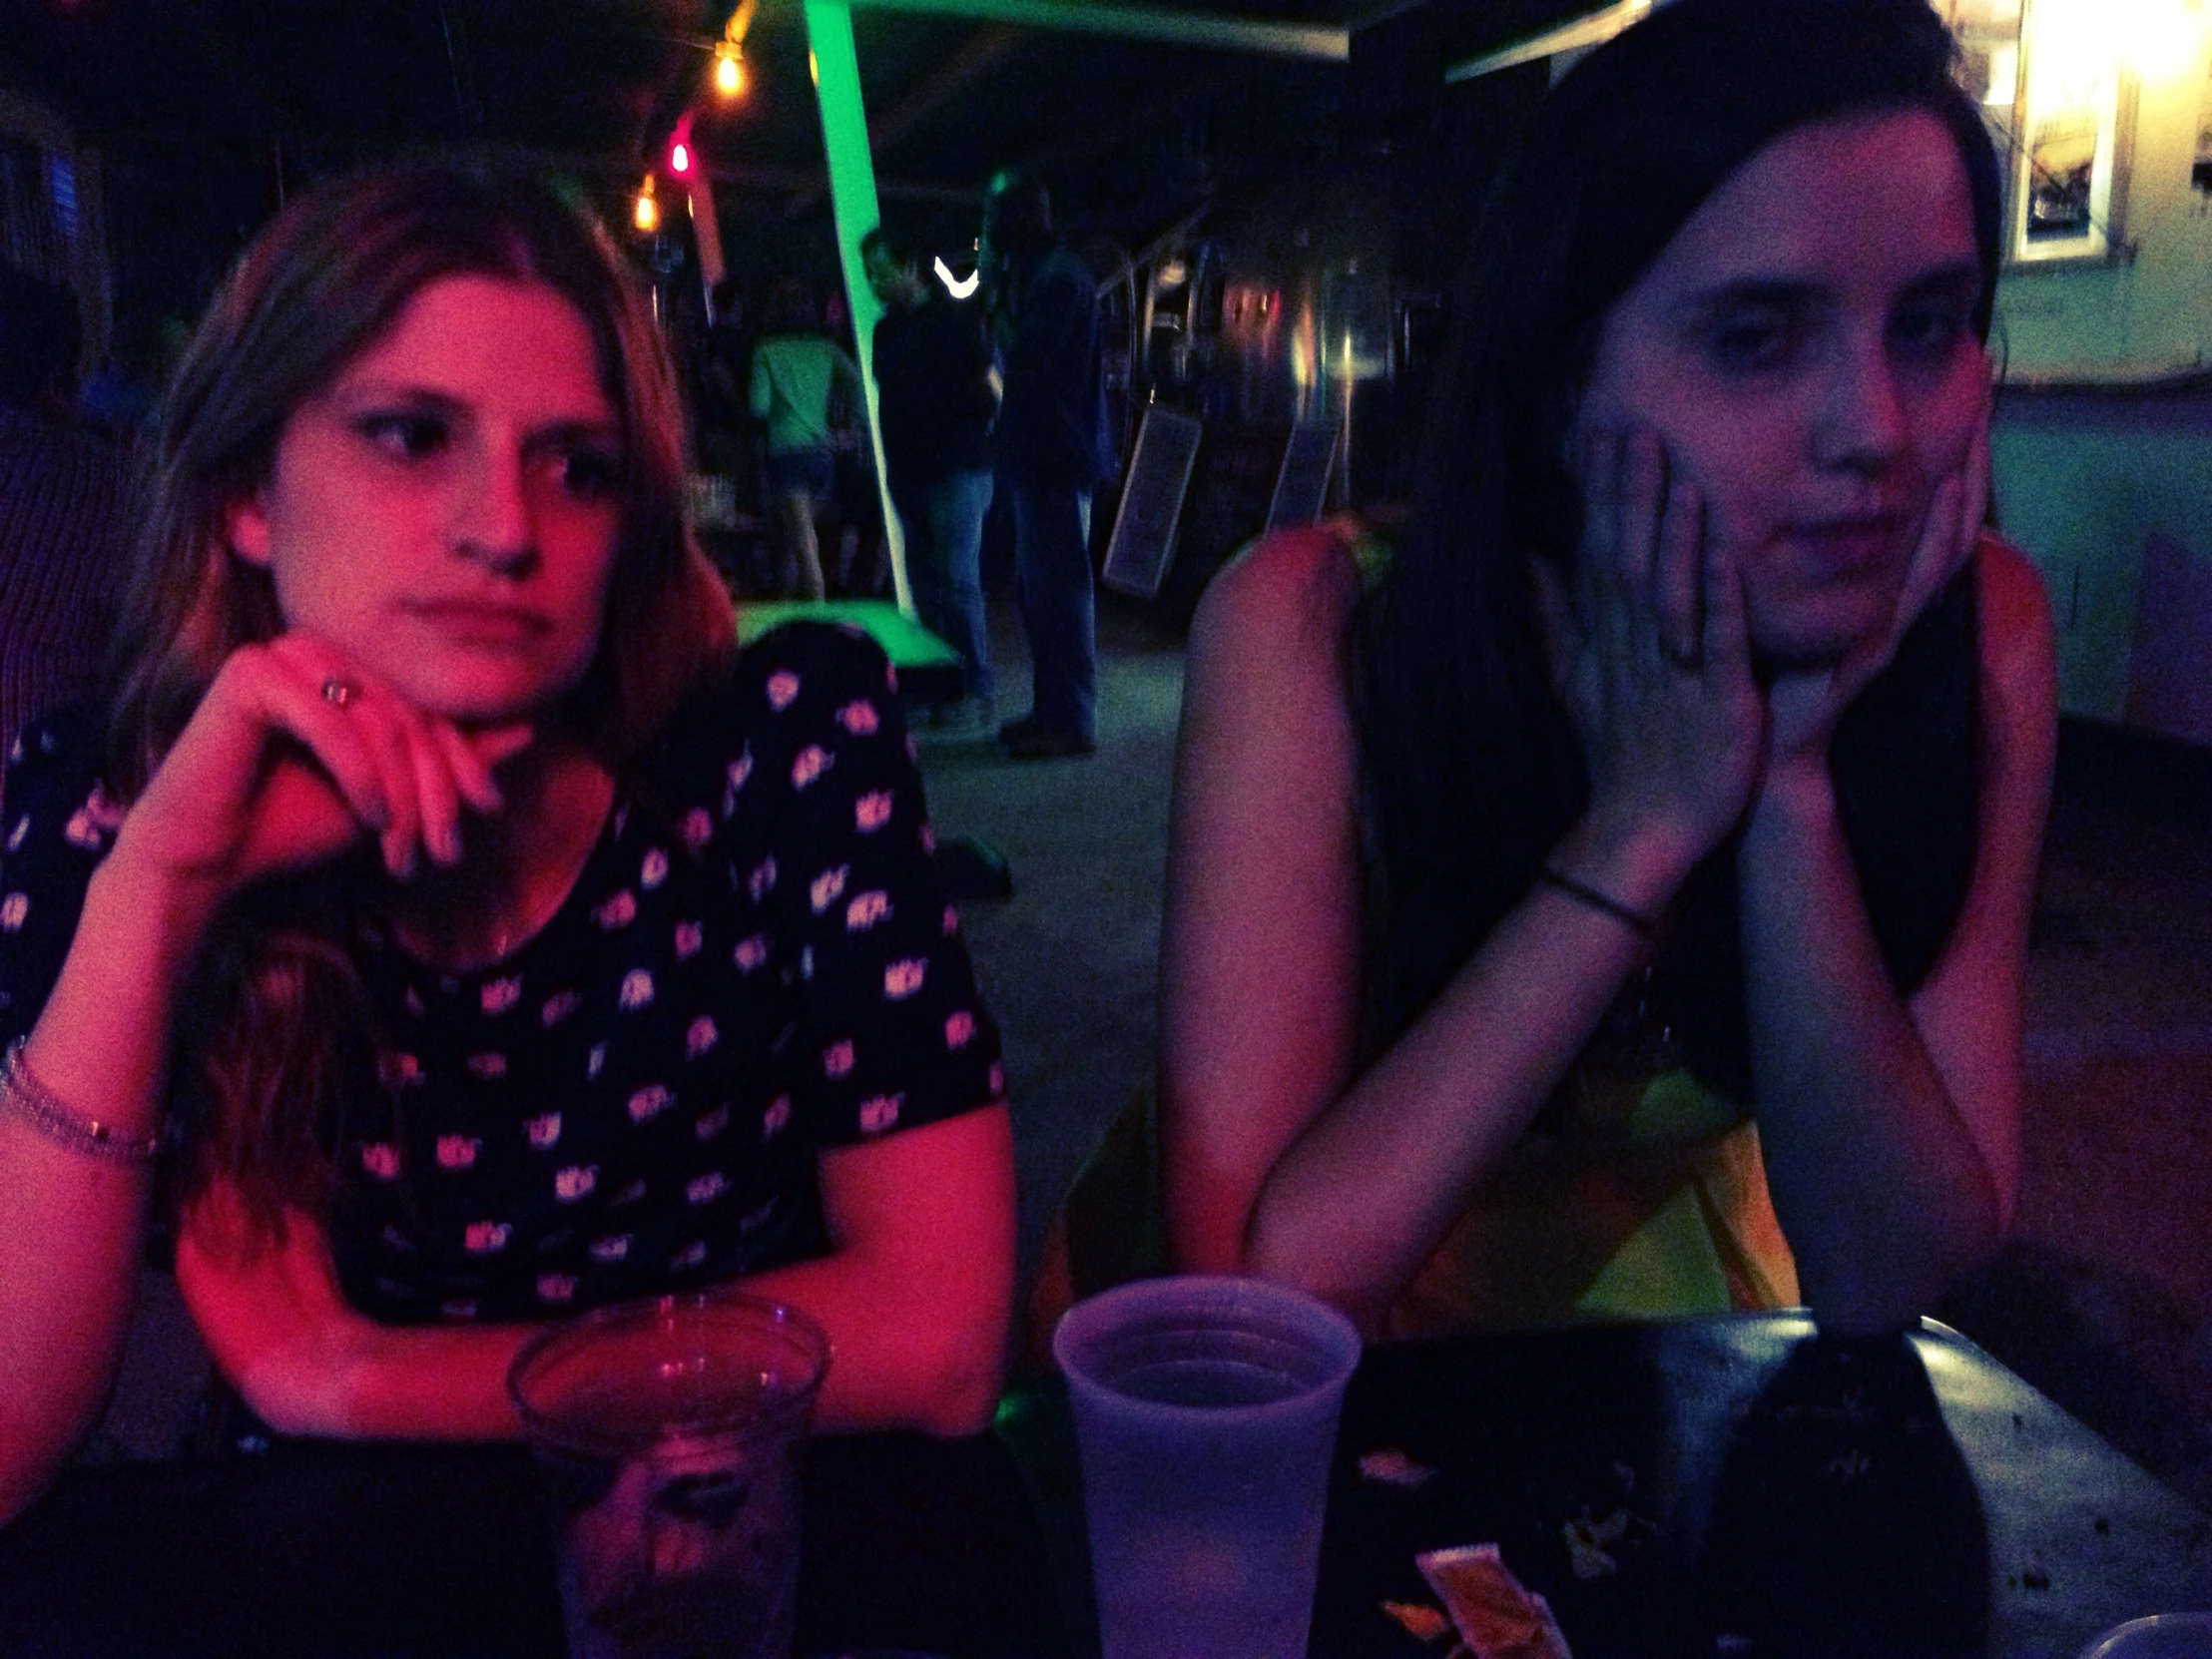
(1471, 768)
(279, 1038)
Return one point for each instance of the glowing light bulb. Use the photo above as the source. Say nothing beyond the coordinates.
(679, 157)
(729, 71)
(646, 214)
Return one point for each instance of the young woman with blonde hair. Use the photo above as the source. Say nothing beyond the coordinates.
(498, 939)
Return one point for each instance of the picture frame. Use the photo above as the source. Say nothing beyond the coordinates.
(2060, 106)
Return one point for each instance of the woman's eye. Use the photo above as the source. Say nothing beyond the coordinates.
(589, 474)
(1929, 330)
(407, 437)
(1746, 343)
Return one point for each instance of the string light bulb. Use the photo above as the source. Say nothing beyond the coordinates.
(646, 213)
(679, 158)
(729, 70)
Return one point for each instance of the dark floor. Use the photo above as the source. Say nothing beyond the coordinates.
(2104, 1296)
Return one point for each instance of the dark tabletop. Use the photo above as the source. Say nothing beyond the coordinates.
(310, 1550)
(1740, 1488)
(1743, 1489)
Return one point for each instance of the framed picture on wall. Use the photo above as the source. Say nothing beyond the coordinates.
(2061, 109)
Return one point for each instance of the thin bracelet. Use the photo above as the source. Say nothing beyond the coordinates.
(46, 1112)
(1603, 904)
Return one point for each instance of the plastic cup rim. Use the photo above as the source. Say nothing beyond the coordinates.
(544, 1429)
(2181, 1619)
(1334, 1329)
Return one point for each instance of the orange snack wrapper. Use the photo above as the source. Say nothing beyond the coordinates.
(1493, 1614)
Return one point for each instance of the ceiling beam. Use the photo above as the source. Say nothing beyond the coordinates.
(1158, 24)
(1592, 30)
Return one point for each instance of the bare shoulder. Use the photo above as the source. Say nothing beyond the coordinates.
(2019, 654)
(1286, 600)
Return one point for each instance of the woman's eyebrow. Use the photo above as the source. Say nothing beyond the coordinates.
(1960, 280)
(576, 429)
(395, 392)
(1750, 293)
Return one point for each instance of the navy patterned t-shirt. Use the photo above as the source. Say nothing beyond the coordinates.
(757, 962)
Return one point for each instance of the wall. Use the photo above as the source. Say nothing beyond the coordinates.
(2103, 475)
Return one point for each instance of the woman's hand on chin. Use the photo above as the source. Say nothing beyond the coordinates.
(1805, 707)
(293, 754)
(1654, 653)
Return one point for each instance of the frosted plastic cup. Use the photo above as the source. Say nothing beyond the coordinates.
(669, 1436)
(2161, 1636)
(1204, 1416)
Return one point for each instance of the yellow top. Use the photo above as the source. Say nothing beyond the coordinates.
(1670, 1217)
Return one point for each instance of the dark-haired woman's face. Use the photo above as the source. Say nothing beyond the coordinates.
(1805, 348)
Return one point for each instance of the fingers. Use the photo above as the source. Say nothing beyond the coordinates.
(471, 758)
(1643, 497)
(406, 775)
(1726, 636)
(1678, 575)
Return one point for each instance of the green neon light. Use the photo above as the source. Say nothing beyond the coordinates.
(854, 210)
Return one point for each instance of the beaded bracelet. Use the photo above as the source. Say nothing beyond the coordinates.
(31, 1100)
(1603, 904)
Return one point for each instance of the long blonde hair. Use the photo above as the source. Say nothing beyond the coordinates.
(278, 1047)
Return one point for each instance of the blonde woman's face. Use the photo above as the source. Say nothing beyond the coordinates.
(446, 510)
(1805, 348)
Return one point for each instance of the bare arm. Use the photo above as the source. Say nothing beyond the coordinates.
(1890, 1131)
(217, 813)
(915, 1294)
(71, 1228)
(1278, 1159)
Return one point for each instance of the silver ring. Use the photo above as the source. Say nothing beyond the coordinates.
(337, 691)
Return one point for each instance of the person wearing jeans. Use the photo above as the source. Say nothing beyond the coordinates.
(1054, 448)
(938, 395)
(944, 564)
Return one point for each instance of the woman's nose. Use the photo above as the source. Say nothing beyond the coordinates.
(492, 521)
(1862, 422)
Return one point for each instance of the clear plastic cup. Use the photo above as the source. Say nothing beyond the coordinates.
(2161, 1636)
(669, 1436)
(1204, 1416)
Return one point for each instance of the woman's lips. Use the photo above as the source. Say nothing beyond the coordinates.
(1853, 543)
(478, 622)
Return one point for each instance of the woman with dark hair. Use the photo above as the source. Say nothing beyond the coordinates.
(504, 940)
(1655, 832)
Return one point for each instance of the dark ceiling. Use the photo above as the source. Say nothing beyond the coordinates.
(241, 96)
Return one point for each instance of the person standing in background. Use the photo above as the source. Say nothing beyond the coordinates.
(796, 374)
(940, 395)
(1053, 451)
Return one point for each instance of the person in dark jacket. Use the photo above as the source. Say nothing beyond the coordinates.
(939, 397)
(1053, 451)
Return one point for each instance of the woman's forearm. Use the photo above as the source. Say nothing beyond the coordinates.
(1413, 1138)
(1877, 1179)
(72, 1225)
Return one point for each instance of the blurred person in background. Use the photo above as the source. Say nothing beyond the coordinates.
(798, 375)
(938, 394)
(1054, 448)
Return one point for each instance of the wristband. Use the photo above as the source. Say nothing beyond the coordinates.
(49, 1115)
(1646, 928)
